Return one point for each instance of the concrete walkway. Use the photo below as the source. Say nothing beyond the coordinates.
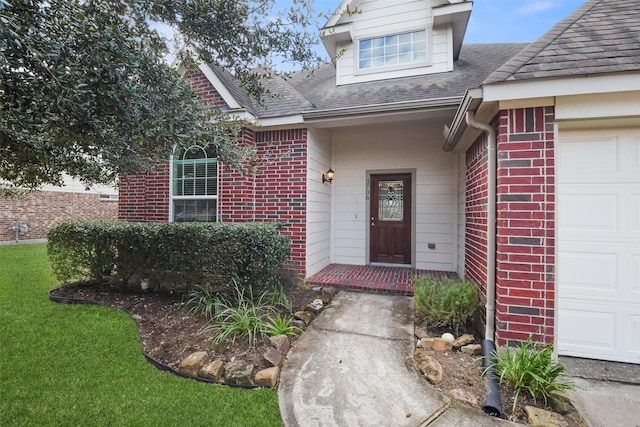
(353, 368)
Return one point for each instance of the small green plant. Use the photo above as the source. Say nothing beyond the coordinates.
(446, 302)
(203, 300)
(278, 298)
(531, 367)
(244, 318)
(279, 325)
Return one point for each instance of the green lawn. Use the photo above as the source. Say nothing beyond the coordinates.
(82, 365)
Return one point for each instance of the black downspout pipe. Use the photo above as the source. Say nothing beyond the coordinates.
(492, 404)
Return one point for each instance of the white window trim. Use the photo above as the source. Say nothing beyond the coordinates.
(172, 197)
(356, 48)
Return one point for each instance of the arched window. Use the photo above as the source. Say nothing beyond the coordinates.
(194, 190)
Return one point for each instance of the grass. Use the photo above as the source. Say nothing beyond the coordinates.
(82, 365)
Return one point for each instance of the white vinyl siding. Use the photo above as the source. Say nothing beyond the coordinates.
(461, 186)
(318, 201)
(414, 147)
(381, 18)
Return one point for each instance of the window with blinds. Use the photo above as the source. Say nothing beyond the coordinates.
(195, 184)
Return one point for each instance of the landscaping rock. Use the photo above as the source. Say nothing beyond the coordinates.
(464, 340)
(267, 377)
(239, 372)
(299, 324)
(420, 332)
(282, 343)
(329, 291)
(431, 369)
(426, 343)
(273, 356)
(193, 363)
(559, 403)
(464, 396)
(315, 307)
(441, 344)
(472, 349)
(420, 353)
(304, 316)
(212, 371)
(541, 418)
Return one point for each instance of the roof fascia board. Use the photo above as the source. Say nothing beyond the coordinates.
(337, 14)
(457, 15)
(295, 119)
(471, 96)
(540, 88)
(527, 103)
(331, 36)
(219, 86)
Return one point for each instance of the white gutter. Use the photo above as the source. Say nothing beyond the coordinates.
(386, 107)
(490, 306)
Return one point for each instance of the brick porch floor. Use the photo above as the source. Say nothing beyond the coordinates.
(388, 280)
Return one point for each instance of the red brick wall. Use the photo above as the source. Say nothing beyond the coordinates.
(201, 84)
(41, 210)
(145, 197)
(476, 213)
(275, 192)
(525, 282)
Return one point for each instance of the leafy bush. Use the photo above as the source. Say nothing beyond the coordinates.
(531, 368)
(169, 255)
(446, 302)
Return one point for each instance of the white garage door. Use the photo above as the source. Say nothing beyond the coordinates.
(598, 226)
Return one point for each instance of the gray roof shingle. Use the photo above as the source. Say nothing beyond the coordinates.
(602, 36)
(302, 93)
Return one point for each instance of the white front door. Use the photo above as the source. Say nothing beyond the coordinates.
(598, 247)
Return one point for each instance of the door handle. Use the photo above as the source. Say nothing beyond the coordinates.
(373, 223)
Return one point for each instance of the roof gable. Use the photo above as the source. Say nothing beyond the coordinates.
(602, 36)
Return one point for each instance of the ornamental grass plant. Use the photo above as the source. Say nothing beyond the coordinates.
(531, 368)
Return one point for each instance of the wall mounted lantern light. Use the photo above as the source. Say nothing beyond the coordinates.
(328, 176)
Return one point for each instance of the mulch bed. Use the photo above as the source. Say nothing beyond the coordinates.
(168, 332)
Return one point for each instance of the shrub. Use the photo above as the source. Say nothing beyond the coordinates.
(169, 255)
(446, 302)
(531, 368)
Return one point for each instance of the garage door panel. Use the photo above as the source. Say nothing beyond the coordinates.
(598, 252)
(587, 329)
(610, 333)
(599, 271)
(598, 155)
(595, 272)
(578, 212)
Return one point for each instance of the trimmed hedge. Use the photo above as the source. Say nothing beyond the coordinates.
(168, 255)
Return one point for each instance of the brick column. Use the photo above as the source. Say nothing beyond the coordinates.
(525, 281)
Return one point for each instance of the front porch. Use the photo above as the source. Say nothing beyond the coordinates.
(387, 280)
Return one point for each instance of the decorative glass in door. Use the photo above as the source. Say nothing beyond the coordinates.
(390, 200)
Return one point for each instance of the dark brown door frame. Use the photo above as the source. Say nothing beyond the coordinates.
(391, 242)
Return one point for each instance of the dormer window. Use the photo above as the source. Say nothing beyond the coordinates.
(397, 50)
